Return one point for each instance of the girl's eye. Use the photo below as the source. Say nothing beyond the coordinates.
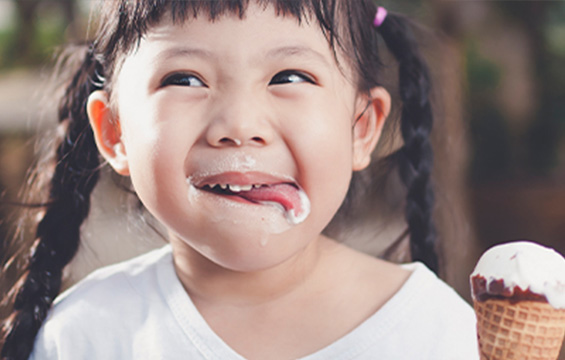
(181, 79)
(290, 76)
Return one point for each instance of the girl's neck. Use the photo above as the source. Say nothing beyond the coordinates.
(282, 307)
(208, 282)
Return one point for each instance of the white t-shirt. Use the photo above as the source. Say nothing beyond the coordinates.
(138, 309)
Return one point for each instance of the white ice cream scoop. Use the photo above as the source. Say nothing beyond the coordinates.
(519, 267)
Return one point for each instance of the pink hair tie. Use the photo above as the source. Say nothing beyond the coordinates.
(380, 16)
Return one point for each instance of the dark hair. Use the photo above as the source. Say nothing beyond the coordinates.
(348, 28)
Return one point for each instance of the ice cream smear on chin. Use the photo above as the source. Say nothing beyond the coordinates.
(520, 270)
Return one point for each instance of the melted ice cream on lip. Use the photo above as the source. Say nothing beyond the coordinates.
(522, 267)
(280, 192)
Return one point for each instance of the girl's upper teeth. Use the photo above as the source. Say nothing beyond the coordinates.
(235, 188)
(238, 188)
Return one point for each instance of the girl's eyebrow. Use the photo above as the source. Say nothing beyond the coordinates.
(184, 52)
(296, 50)
(278, 53)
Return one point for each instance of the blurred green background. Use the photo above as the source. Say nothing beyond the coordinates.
(499, 74)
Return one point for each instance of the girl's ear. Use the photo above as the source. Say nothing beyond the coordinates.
(107, 131)
(370, 119)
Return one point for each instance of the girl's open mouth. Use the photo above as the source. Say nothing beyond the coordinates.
(286, 196)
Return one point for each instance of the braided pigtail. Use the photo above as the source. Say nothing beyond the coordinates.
(415, 158)
(58, 231)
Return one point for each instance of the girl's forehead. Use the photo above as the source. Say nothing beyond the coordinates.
(260, 26)
(261, 31)
(257, 22)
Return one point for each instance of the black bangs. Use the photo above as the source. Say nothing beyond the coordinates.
(125, 22)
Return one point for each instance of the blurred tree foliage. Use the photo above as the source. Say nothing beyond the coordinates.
(498, 151)
(539, 151)
(548, 130)
(38, 28)
(489, 134)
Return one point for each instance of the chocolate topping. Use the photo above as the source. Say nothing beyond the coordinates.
(495, 289)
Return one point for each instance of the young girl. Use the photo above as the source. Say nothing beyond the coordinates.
(239, 124)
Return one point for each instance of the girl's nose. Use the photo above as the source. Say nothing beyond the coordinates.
(239, 122)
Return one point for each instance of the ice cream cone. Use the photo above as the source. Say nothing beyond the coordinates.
(525, 330)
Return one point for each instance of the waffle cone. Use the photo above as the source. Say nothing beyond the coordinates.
(526, 330)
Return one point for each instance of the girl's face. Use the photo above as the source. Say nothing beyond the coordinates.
(253, 101)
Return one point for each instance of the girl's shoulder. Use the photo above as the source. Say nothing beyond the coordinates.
(423, 289)
(435, 322)
(417, 316)
(396, 283)
(434, 318)
(120, 276)
(96, 308)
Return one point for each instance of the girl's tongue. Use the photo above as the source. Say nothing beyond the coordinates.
(291, 199)
(294, 201)
(284, 194)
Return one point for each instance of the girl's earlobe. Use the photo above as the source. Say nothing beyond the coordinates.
(107, 131)
(369, 125)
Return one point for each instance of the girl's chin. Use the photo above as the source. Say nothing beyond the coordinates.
(243, 252)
